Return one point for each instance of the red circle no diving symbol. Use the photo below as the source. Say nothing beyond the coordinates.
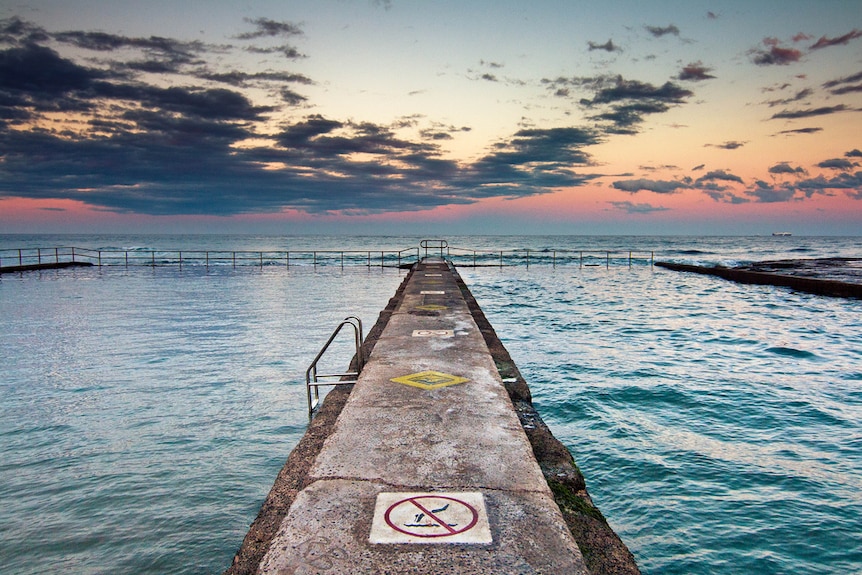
(431, 516)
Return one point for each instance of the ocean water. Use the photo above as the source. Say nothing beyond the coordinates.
(145, 412)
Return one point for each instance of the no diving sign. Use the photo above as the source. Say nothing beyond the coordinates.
(430, 518)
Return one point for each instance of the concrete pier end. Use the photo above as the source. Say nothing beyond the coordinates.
(434, 463)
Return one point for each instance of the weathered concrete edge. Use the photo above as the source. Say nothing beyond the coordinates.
(293, 476)
(47, 266)
(603, 550)
(808, 285)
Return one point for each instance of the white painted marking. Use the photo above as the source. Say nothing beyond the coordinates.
(433, 333)
(433, 275)
(430, 518)
(431, 293)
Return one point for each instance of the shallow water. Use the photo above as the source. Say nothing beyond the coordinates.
(144, 413)
(718, 425)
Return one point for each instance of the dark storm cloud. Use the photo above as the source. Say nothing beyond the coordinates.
(668, 93)
(725, 196)
(607, 46)
(552, 147)
(718, 175)
(212, 103)
(102, 42)
(632, 208)
(765, 193)
(659, 31)
(730, 145)
(845, 80)
(824, 42)
(146, 148)
(657, 186)
(774, 54)
(620, 104)
(848, 182)
(809, 112)
(266, 28)
(851, 183)
(35, 80)
(802, 131)
(17, 31)
(695, 72)
(837, 164)
(292, 98)
(785, 168)
(845, 85)
(847, 90)
(628, 101)
(290, 52)
(800, 95)
(242, 79)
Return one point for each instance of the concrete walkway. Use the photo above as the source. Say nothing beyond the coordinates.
(428, 469)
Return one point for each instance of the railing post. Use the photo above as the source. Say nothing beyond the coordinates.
(261, 259)
(369, 260)
(651, 258)
(381, 259)
(501, 258)
(630, 259)
(20, 259)
(582, 261)
(181, 259)
(608, 260)
(57, 255)
(528, 258)
(342, 260)
(73, 254)
(314, 258)
(153, 258)
(39, 255)
(100, 258)
(287, 258)
(127, 260)
(555, 259)
(474, 258)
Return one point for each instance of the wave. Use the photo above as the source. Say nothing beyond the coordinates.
(792, 352)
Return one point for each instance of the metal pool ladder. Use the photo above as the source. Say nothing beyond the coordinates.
(313, 379)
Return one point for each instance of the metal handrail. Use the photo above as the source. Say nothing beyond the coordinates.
(434, 244)
(312, 378)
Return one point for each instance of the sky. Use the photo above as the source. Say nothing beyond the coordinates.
(458, 117)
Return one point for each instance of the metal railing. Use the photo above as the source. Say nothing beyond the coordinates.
(467, 257)
(313, 378)
(38, 256)
(464, 257)
(434, 245)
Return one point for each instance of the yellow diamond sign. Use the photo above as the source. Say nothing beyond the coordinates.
(431, 307)
(429, 379)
